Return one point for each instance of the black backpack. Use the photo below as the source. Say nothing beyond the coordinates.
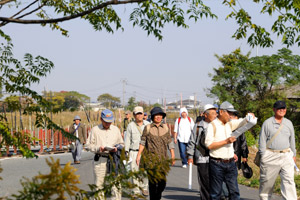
(200, 142)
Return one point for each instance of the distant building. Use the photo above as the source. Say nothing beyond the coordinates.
(94, 106)
(188, 103)
(291, 92)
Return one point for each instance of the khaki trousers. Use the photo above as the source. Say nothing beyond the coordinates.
(99, 175)
(134, 167)
(271, 165)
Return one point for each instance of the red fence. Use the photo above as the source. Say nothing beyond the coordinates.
(43, 138)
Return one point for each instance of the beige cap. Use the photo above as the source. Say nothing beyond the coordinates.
(127, 112)
(138, 109)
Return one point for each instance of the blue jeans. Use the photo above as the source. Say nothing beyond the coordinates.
(182, 149)
(219, 172)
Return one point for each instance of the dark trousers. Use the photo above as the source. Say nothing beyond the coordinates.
(182, 150)
(220, 172)
(156, 189)
(203, 180)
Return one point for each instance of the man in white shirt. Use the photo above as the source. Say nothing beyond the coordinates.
(183, 129)
(219, 141)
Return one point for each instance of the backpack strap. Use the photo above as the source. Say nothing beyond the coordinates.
(179, 120)
(214, 128)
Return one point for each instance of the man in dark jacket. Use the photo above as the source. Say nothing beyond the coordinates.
(202, 162)
(78, 130)
(240, 145)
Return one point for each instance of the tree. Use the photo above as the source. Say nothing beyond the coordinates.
(149, 15)
(17, 77)
(71, 103)
(131, 104)
(152, 16)
(251, 84)
(109, 100)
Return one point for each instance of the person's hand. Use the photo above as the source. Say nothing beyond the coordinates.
(102, 149)
(230, 140)
(235, 158)
(173, 161)
(175, 140)
(190, 160)
(294, 158)
(244, 160)
(138, 158)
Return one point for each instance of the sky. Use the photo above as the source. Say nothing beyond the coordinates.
(93, 62)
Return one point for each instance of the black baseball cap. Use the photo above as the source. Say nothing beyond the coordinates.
(279, 104)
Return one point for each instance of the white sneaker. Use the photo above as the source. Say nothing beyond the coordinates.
(183, 166)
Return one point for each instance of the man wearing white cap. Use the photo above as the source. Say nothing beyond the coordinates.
(182, 132)
(202, 161)
(219, 141)
(77, 129)
(104, 138)
(132, 142)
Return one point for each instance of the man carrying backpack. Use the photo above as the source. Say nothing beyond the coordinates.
(183, 128)
(198, 153)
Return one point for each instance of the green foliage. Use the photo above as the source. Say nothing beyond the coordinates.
(109, 100)
(51, 186)
(17, 77)
(286, 24)
(252, 84)
(250, 138)
(61, 182)
(157, 166)
(156, 105)
(152, 16)
(71, 103)
(149, 15)
(65, 100)
(131, 104)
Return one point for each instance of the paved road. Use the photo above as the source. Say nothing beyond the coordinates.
(15, 168)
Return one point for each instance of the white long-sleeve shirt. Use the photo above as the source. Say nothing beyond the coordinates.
(222, 132)
(184, 129)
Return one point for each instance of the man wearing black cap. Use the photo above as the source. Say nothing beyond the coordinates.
(278, 154)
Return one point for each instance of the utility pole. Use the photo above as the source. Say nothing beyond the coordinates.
(20, 111)
(180, 100)
(194, 100)
(52, 135)
(176, 100)
(124, 81)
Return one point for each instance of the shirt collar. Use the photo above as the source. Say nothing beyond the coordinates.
(152, 125)
(275, 122)
(101, 127)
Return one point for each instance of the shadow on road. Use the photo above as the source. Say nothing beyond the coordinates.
(181, 193)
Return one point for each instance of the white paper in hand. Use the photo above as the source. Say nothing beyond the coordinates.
(109, 148)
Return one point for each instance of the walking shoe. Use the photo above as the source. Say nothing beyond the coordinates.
(77, 162)
(183, 166)
(145, 192)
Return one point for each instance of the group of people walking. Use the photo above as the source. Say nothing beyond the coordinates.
(216, 145)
